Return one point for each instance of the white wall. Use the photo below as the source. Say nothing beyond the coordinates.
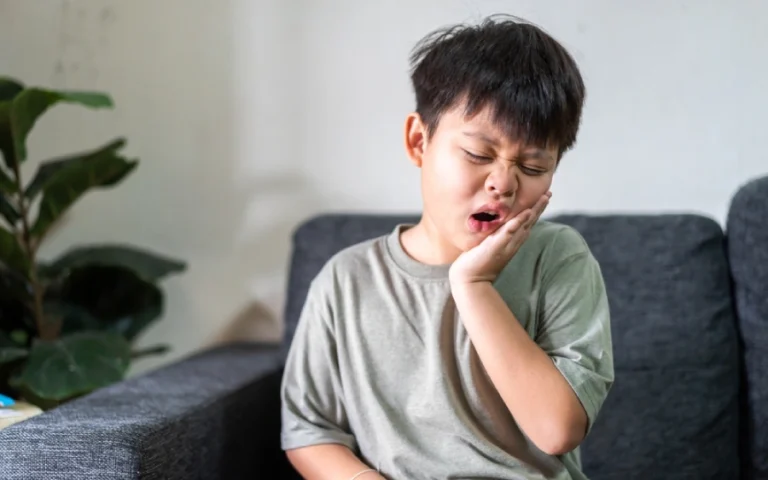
(250, 116)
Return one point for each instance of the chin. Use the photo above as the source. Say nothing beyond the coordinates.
(470, 241)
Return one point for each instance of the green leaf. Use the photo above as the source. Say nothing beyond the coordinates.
(72, 180)
(11, 354)
(9, 350)
(9, 88)
(6, 135)
(73, 318)
(11, 253)
(14, 285)
(147, 265)
(114, 297)
(48, 169)
(30, 104)
(74, 365)
(16, 317)
(7, 189)
(21, 337)
(8, 211)
(6, 184)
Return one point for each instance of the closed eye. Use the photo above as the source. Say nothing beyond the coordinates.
(477, 158)
(531, 171)
(474, 158)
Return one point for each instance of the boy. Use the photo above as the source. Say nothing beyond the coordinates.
(476, 343)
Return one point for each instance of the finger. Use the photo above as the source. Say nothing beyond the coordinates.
(539, 208)
(517, 222)
(543, 202)
(509, 228)
(513, 245)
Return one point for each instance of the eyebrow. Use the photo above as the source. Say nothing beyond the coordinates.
(539, 154)
(481, 136)
(533, 153)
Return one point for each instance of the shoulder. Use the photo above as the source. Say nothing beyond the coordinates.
(556, 241)
(555, 252)
(339, 277)
(352, 262)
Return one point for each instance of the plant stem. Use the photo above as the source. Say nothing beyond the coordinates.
(156, 350)
(43, 331)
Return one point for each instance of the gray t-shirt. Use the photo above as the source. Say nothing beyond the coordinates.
(381, 362)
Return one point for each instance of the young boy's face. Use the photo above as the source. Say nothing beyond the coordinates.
(474, 178)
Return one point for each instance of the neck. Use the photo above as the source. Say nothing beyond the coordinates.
(425, 244)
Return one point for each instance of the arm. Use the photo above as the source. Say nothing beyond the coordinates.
(533, 389)
(316, 434)
(553, 385)
(329, 462)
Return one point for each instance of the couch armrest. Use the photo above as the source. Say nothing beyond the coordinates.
(213, 415)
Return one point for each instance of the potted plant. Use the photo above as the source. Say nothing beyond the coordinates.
(67, 326)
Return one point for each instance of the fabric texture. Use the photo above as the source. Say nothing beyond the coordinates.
(747, 229)
(673, 410)
(381, 361)
(671, 413)
(203, 417)
(315, 241)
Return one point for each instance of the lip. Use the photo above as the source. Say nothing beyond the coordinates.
(500, 209)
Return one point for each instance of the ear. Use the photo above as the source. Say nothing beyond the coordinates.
(415, 138)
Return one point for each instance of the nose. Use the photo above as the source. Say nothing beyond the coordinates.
(501, 182)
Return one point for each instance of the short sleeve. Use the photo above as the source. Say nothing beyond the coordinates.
(312, 405)
(574, 325)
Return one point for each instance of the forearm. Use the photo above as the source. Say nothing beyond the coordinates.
(533, 389)
(329, 462)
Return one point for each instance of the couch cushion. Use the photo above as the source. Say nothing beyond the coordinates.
(673, 410)
(747, 230)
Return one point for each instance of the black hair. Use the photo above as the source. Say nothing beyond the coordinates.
(528, 79)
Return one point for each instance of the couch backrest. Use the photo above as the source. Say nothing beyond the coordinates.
(673, 411)
(747, 231)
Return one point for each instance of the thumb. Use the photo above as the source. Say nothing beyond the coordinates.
(501, 236)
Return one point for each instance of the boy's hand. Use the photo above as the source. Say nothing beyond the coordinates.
(484, 262)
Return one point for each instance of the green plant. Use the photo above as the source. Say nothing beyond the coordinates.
(68, 326)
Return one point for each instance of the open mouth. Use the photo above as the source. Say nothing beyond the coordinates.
(483, 222)
(485, 216)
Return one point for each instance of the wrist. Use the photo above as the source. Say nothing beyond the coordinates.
(459, 278)
(368, 474)
(466, 289)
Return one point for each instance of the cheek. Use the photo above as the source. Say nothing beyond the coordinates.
(449, 177)
(531, 189)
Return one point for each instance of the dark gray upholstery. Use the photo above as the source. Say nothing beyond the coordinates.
(748, 253)
(673, 411)
(214, 415)
(690, 327)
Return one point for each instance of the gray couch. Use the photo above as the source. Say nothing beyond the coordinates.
(690, 323)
